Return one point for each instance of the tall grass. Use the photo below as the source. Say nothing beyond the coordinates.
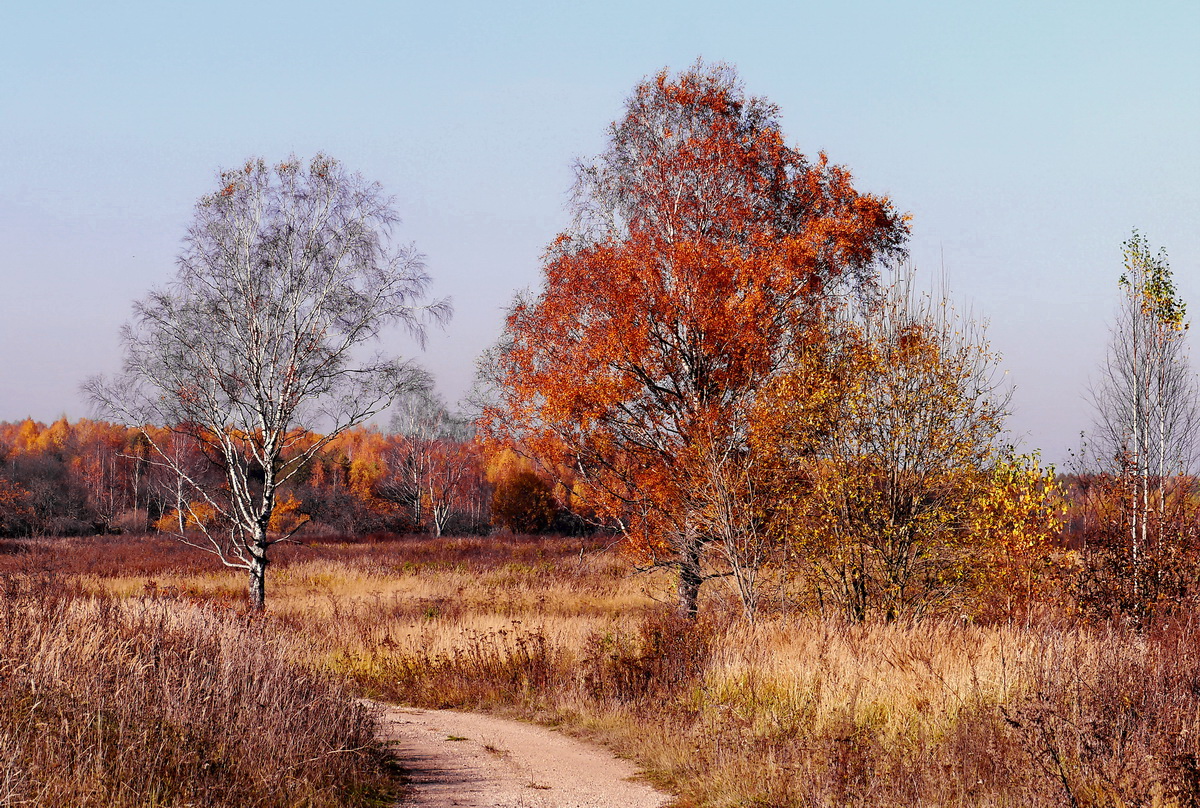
(813, 712)
(793, 711)
(149, 702)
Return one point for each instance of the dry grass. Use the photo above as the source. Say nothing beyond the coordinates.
(795, 711)
(148, 702)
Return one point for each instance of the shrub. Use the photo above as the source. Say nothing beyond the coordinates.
(523, 503)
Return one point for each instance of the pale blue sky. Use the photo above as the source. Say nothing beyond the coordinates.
(1026, 139)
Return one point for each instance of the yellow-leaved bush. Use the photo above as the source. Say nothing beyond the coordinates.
(890, 482)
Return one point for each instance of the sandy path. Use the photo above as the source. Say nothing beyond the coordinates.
(465, 760)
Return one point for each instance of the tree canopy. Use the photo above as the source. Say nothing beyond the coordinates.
(703, 246)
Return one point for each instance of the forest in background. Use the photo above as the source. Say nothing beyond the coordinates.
(92, 477)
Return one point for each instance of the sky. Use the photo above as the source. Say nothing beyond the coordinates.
(1026, 140)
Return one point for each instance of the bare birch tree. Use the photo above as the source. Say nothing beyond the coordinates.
(287, 272)
(1146, 406)
(430, 462)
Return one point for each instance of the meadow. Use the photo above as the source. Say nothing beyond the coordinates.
(119, 651)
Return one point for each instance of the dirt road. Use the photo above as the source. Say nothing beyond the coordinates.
(464, 760)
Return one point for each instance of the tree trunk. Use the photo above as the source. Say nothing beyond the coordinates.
(689, 589)
(440, 516)
(258, 579)
(690, 576)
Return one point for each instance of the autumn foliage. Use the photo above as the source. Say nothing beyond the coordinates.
(704, 247)
(72, 478)
(523, 503)
(93, 477)
(880, 449)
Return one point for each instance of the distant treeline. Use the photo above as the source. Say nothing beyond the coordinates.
(92, 477)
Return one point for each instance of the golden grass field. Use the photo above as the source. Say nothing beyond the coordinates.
(796, 710)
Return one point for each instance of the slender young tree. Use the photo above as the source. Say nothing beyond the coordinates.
(1146, 405)
(700, 246)
(255, 351)
(429, 458)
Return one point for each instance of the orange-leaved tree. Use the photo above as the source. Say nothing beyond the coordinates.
(702, 244)
(15, 511)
